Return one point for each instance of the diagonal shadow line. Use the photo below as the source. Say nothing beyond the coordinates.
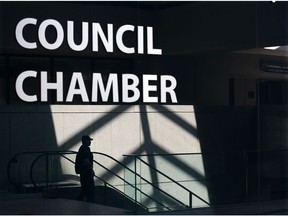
(146, 146)
(174, 118)
(168, 201)
(96, 125)
(118, 168)
(183, 166)
(180, 164)
(187, 169)
(190, 171)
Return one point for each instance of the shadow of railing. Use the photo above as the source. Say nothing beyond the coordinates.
(174, 182)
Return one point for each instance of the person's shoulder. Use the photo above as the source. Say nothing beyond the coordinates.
(84, 148)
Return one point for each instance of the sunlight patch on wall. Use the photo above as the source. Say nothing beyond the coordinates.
(174, 129)
(166, 133)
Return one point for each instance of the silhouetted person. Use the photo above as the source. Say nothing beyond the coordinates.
(84, 167)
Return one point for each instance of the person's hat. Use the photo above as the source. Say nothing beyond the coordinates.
(86, 137)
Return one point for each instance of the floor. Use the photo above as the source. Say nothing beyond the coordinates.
(275, 207)
(35, 204)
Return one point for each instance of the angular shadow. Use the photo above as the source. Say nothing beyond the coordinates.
(99, 123)
(174, 118)
(148, 146)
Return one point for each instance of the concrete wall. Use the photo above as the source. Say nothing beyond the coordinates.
(116, 130)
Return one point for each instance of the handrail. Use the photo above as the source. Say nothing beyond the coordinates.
(14, 160)
(107, 183)
(177, 183)
(121, 192)
(72, 152)
(63, 153)
(60, 153)
(130, 185)
(169, 195)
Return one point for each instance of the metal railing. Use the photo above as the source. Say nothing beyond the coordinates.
(47, 183)
(158, 172)
(175, 182)
(228, 177)
(126, 182)
(37, 156)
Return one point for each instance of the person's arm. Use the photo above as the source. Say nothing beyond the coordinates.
(87, 162)
(89, 165)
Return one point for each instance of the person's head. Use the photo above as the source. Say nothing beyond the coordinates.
(86, 140)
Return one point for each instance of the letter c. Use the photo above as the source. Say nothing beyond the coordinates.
(19, 33)
(19, 86)
(119, 39)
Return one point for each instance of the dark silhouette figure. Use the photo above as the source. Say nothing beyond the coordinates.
(84, 167)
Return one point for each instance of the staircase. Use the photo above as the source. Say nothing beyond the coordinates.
(103, 196)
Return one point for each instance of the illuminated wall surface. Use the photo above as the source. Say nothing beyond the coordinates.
(187, 82)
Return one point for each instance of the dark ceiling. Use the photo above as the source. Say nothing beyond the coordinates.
(146, 5)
